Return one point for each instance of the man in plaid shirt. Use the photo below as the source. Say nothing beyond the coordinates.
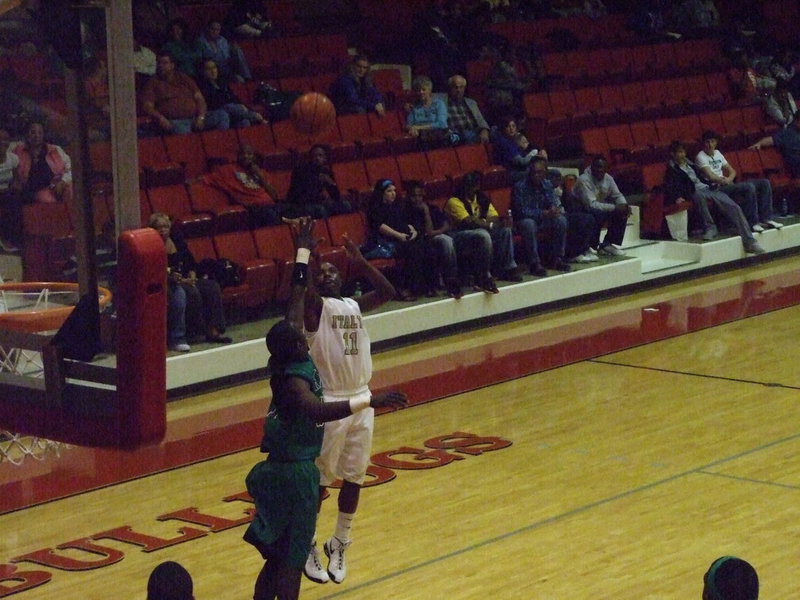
(463, 115)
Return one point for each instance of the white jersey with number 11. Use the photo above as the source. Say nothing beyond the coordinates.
(340, 348)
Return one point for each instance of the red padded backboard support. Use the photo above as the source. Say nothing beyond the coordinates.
(141, 303)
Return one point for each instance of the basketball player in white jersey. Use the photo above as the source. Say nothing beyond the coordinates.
(340, 347)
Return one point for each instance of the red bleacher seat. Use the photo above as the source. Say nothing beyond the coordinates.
(259, 275)
(330, 250)
(390, 83)
(353, 226)
(204, 198)
(689, 128)
(750, 166)
(173, 200)
(642, 58)
(202, 248)
(595, 141)
(351, 177)
(49, 242)
(647, 144)
(288, 138)
(444, 167)
(414, 165)
(356, 129)
(187, 150)
(537, 105)
(774, 169)
(392, 127)
(620, 141)
(152, 152)
(220, 146)
(276, 243)
(296, 83)
(478, 71)
(382, 167)
(653, 175)
(474, 157)
(501, 199)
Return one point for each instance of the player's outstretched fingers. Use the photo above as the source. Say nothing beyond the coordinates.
(393, 400)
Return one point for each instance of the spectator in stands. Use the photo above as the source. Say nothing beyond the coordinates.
(505, 86)
(730, 578)
(535, 207)
(313, 191)
(695, 18)
(391, 235)
(682, 183)
(150, 19)
(580, 224)
(199, 298)
(787, 140)
(755, 194)
(220, 97)
(747, 84)
(438, 34)
(648, 20)
(782, 69)
(10, 200)
(464, 118)
(353, 91)
(175, 102)
(246, 183)
(95, 86)
(780, 105)
(246, 20)
(144, 63)
(595, 9)
(432, 224)
(597, 191)
(183, 47)
(228, 56)
(512, 149)
(480, 230)
(170, 581)
(44, 171)
(427, 117)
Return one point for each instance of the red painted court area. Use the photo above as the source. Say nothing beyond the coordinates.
(238, 427)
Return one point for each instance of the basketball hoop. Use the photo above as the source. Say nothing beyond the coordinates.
(31, 308)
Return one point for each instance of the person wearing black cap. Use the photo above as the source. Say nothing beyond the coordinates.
(730, 578)
(170, 581)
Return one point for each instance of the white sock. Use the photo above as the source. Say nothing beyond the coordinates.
(344, 523)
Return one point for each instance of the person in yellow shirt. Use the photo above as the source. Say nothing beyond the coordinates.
(477, 228)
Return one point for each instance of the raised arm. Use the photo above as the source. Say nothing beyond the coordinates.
(383, 289)
(300, 275)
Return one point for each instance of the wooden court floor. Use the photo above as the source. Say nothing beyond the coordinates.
(622, 475)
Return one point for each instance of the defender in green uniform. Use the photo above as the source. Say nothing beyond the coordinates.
(285, 486)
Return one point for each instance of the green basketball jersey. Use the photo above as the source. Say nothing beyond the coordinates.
(289, 435)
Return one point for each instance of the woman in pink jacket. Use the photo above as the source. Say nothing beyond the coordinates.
(44, 173)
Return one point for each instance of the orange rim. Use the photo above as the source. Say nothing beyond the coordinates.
(46, 319)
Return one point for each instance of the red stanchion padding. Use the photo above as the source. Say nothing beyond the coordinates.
(141, 303)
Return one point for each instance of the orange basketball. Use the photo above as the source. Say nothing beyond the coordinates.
(313, 114)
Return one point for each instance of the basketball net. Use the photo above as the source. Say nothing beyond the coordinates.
(15, 448)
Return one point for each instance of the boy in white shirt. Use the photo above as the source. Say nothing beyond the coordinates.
(756, 194)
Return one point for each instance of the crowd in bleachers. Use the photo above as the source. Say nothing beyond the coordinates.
(497, 87)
